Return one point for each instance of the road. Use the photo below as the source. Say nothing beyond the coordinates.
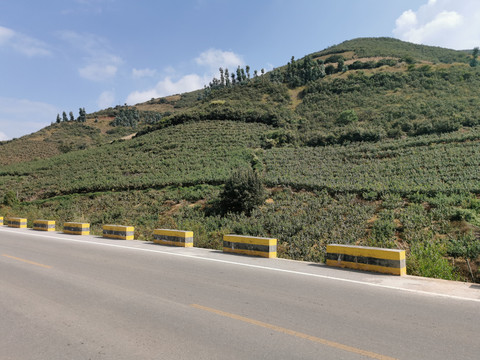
(86, 297)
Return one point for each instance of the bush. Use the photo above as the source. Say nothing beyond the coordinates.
(278, 138)
(243, 191)
(391, 201)
(465, 246)
(334, 59)
(10, 199)
(427, 259)
(383, 231)
(347, 117)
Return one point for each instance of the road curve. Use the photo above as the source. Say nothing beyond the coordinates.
(86, 297)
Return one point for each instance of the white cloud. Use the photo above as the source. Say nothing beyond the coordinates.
(167, 87)
(6, 35)
(100, 63)
(106, 99)
(406, 21)
(448, 23)
(3, 136)
(209, 61)
(269, 67)
(19, 117)
(140, 73)
(21, 43)
(213, 59)
(98, 71)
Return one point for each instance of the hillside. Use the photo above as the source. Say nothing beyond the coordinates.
(378, 151)
(59, 138)
(99, 128)
(394, 48)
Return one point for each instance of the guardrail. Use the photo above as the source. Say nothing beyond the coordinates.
(44, 225)
(76, 228)
(389, 261)
(16, 222)
(118, 232)
(250, 245)
(173, 237)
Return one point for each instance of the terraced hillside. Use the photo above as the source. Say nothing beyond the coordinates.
(379, 150)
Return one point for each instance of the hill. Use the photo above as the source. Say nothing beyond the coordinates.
(390, 47)
(98, 128)
(379, 152)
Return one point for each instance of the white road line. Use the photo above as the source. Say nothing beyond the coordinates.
(421, 292)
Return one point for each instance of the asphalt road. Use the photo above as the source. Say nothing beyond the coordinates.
(85, 297)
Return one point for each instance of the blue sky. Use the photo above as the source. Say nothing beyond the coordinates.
(60, 55)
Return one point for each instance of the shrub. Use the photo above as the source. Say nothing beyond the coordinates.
(391, 201)
(427, 259)
(334, 59)
(465, 246)
(10, 199)
(347, 117)
(330, 69)
(278, 138)
(383, 231)
(243, 191)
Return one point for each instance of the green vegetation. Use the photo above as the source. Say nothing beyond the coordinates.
(389, 47)
(242, 192)
(126, 117)
(424, 100)
(10, 199)
(194, 153)
(474, 60)
(372, 142)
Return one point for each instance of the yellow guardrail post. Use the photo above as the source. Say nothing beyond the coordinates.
(118, 232)
(16, 222)
(44, 225)
(389, 261)
(173, 237)
(76, 228)
(250, 245)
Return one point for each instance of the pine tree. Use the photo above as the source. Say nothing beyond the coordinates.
(244, 77)
(227, 78)
(64, 116)
(72, 118)
(59, 120)
(222, 78)
(474, 61)
(82, 115)
(239, 74)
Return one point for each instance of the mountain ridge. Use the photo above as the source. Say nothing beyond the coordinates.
(57, 138)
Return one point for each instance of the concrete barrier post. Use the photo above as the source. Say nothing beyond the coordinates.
(173, 237)
(250, 245)
(44, 225)
(76, 228)
(1, 220)
(16, 222)
(118, 232)
(388, 261)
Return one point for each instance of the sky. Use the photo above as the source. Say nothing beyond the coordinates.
(60, 55)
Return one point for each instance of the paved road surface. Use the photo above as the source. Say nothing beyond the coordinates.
(85, 297)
